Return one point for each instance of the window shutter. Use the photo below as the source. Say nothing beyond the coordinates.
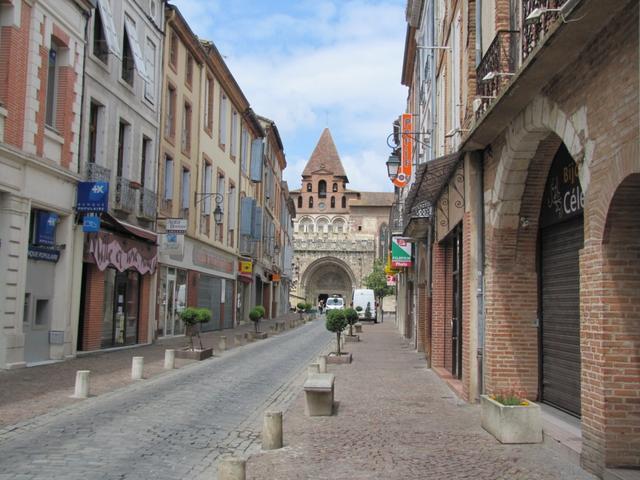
(168, 179)
(186, 178)
(256, 231)
(246, 215)
(257, 152)
(138, 59)
(150, 66)
(206, 201)
(109, 27)
(231, 216)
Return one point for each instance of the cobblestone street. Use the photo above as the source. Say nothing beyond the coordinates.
(172, 426)
(398, 420)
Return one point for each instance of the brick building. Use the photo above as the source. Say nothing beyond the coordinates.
(528, 280)
(42, 54)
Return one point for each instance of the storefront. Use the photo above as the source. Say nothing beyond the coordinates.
(172, 300)
(118, 270)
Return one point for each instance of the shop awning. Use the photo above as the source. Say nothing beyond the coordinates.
(133, 229)
(430, 179)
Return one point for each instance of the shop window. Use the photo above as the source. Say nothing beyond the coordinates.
(100, 46)
(335, 187)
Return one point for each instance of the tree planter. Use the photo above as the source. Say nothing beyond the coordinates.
(334, 358)
(258, 335)
(194, 354)
(511, 423)
(358, 327)
(351, 338)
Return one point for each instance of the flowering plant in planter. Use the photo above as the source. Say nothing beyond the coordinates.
(511, 418)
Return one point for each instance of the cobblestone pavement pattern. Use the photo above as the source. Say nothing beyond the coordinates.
(398, 420)
(173, 426)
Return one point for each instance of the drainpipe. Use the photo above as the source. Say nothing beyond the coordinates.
(478, 32)
(428, 280)
(480, 256)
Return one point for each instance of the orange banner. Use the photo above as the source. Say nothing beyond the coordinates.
(404, 172)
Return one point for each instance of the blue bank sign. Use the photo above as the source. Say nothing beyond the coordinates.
(45, 228)
(91, 224)
(93, 197)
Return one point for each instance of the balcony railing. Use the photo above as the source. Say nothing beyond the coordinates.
(496, 68)
(97, 173)
(147, 204)
(248, 246)
(534, 32)
(125, 195)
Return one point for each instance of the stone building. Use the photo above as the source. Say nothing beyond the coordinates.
(337, 231)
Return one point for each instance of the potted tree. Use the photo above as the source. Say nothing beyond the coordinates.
(301, 306)
(256, 314)
(511, 418)
(193, 318)
(308, 308)
(336, 323)
(352, 317)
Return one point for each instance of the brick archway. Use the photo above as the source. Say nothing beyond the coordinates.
(323, 267)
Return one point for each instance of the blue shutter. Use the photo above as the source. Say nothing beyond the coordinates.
(256, 232)
(246, 215)
(257, 149)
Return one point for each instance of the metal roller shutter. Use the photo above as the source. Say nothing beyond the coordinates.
(209, 292)
(229, 304)
(560, 245)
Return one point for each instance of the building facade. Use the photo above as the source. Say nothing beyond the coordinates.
(336, 230)
(525, 212)
(42, 54)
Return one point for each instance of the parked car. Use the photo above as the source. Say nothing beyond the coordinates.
(363, 297)
(334, 303)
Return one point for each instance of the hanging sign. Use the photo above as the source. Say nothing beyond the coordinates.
(404, 172)
(391, 281)
(245, 267)
(91, 223)
(92, 197)
(176, 225)
(400, 252)
(45, 228)
(171, 244)
(388, 269)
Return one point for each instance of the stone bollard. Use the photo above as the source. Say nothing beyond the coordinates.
(222, 343)
(232, 468)
(239, 339)
(272, 431)
(322, 364)
(169, 359)
(137, 367)
(82, 384)
(313, 368)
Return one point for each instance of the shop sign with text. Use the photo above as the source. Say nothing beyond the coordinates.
(401, 252)
(406, 131)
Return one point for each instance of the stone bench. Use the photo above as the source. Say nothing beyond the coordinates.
(318, 394)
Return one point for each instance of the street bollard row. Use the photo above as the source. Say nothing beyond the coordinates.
(137, 368)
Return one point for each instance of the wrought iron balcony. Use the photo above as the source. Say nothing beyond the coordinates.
(533, 32)
(496, 67)
(97, 173)
(125, 195)
(248, 246)
(147, 204)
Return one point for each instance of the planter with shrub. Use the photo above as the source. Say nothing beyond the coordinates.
(511, 418)
(193, 318)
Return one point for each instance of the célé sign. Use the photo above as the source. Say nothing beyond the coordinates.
(563, 196)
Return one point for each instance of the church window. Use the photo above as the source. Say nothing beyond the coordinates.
(308, 187)
(322, 189)
(333, 202)
(310, 202)
(344, 202)
(335, 187)
(300, 202)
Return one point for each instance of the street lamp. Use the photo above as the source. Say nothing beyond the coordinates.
(218, 198)
(393, 165)
(217, 215)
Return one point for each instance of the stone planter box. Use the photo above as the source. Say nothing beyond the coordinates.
(335, 359)
(194, 354)
(357, 327)
(258, 335)
(351, 338)
(511, 423)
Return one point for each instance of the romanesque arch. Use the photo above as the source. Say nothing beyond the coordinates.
(328, 275)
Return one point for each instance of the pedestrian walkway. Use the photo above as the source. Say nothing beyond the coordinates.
(29, 392)
(397, 420)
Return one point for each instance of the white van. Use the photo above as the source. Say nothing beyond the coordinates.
(334, 303)
(363, 297)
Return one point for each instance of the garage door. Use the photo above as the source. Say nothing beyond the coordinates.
(560, 244)
(209, 291)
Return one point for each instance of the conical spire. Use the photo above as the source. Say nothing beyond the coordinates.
(325, 158)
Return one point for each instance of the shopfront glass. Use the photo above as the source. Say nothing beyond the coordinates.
(173, 297)
(121, 308)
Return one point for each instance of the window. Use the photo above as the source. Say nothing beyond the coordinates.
(186, 128)
(244, 147)
(333, 202)
(108, 27)
(123, 140)
(52, 84)
(322, 189)
(231, 216)
(170, 120)
(144, 160)
(220, 203)
(186, 180)
(300, 201)
(189, 71)
(222, 121)
(308, 187)
(233, 144)
(150, 66)
(173, 50)
(127, 60)
(335, 187)
(208, 102)
(344, 202)
(100, 47)
(310, 202)
(206, 187)
(94, 119)
(168, 177)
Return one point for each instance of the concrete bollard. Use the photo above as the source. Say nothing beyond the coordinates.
(272, 431)
(322, 364)
(169, 359)
(82, 384)
(137, 367)
(232, 468)
(313, 368)
(239, 339)
(222, 343)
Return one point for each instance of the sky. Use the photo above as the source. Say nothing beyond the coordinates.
(311, 64)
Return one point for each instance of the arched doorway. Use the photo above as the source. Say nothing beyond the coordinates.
(328, 276)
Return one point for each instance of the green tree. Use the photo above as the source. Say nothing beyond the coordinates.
(377, 281)
(352, 317)
(336, 322)
(255, 315)
(192, 318)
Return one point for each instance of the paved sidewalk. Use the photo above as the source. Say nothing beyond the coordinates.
(33, 391)
(398, 420)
